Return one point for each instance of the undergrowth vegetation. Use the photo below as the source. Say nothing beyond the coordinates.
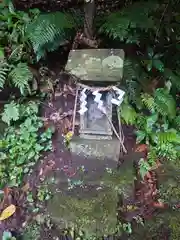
(21, 145)
(150, 29)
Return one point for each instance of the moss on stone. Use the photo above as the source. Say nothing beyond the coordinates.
(97, 214)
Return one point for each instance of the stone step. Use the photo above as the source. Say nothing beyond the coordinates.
(99, 149)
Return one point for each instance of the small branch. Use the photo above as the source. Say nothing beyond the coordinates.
(117, 135)
(157, 32)
(121, 135)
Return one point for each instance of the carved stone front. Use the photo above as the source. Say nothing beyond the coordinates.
(94, 124)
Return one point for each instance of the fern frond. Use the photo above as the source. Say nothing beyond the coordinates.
(49, 31)
(141, 121)
(20, 77)
(148, 101)
(165, 103)
(152, 156)
(167, 137)
(121, 25)
(4, 68)
(177, 122)
(167, 151)
(129, 71)
(133, 90)
(134, 70)
(128, 114)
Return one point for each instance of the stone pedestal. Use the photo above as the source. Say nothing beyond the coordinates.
(99, 149)
(88, 200)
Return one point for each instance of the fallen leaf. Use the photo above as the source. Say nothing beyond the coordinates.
(8, 212)
(141, 148)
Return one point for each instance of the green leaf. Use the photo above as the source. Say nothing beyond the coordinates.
(1, 53)
(158, 64)
(20, 77)
(11, 112)
(128, 114)
(149, 65)
(48, 31)
(150, 52)
(168, 136)
(148, 101)
(165, 103)
(6, 235)
(140, 136)
(144, 167)
(150, 121)
(157, 56)
(4, 67)
(11, 8)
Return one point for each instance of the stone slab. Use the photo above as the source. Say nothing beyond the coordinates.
(99, 149)
(96, 64)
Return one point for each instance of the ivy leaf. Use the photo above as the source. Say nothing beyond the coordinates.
(158, 64)
(11, 112)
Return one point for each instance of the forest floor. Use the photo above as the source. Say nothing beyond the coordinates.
(57, 113)
(47, 173)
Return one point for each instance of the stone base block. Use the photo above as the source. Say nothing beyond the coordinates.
(99, 149)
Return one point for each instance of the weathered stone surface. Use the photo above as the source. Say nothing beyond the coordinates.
(96, 148)
(88, 200)
(96, 64)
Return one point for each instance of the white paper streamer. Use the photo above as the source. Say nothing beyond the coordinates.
(83, 110)
(98, 100)
(98, 97)
(117, 102)
(119, 92)
(119, 99)
(83, 101)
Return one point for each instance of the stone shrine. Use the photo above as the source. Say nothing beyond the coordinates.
(97, 71)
